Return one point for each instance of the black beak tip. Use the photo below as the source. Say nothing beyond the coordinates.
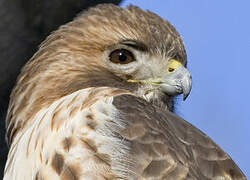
(185, 96)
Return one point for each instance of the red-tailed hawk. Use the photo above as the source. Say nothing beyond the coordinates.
(95, 102)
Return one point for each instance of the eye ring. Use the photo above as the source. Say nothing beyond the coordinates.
(121, 56)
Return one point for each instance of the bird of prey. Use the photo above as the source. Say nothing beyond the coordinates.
(96, 102)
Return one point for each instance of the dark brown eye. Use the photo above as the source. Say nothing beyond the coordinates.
(121, 56)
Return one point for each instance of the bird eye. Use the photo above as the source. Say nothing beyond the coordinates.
(121, 56)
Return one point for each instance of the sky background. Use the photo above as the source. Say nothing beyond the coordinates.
(217, 39)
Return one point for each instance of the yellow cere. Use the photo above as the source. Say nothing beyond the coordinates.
(173, 65)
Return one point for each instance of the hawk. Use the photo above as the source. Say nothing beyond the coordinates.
(96, 102)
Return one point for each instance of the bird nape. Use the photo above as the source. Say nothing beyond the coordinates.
(96, 100)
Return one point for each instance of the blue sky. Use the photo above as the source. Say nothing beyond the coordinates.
(217, 38)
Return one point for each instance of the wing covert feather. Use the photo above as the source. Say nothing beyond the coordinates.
(168, 147)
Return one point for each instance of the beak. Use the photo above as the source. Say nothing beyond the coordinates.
(177, 80)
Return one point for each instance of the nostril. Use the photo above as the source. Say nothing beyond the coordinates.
(170, 69)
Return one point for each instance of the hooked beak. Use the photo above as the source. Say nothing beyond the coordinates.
(177, 80)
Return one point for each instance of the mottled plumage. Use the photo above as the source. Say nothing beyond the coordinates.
(77, 113)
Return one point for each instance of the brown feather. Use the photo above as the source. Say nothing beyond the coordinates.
(61, 113)
(175, 149)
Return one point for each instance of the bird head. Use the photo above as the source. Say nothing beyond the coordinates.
(125, 48)
(143, 51)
